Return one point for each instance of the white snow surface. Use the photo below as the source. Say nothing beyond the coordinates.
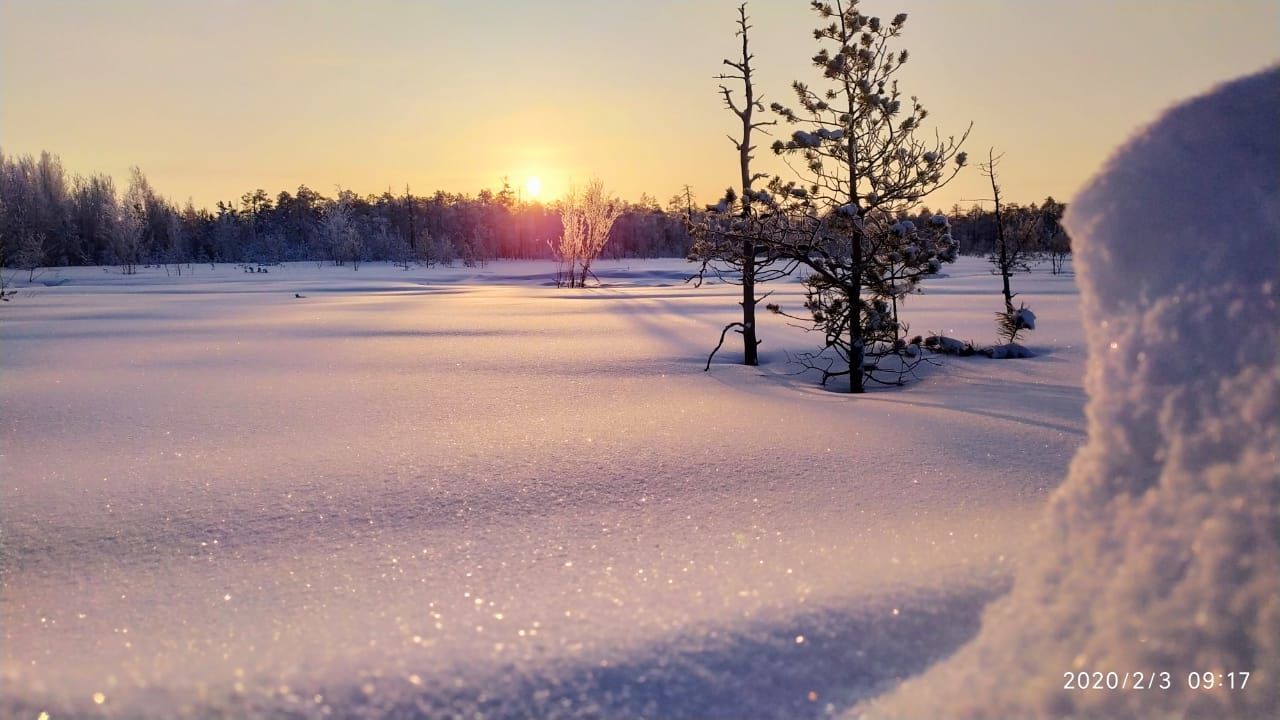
(1160, 552)
(455, 492)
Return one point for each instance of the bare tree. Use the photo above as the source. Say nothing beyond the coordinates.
(397, 248)
(730, 247)
(443, 251)
(475, 246)
(587, 218)
(6, 279)
(1015, 240)
(31, 253)
(126, 238)
(864, 168)
(6, 284)
(1053, 240)
(341, 236)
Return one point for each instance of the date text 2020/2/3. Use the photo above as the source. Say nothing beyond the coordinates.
(1158, 680)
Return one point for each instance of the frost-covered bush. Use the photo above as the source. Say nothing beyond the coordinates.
(588, 217)
(1160, 552)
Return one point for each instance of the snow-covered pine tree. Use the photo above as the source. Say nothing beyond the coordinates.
(865, 164)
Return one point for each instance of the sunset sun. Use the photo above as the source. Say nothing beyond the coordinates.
(533, 186)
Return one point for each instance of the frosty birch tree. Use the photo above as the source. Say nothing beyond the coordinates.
(443, 251)
(1053, 240)
(341, 235)
(725, 239)
(865, 162)
(31, 254)
(587, 218)
(6, 281)
(126, 239)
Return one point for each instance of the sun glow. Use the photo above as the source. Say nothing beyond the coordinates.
(533, 187)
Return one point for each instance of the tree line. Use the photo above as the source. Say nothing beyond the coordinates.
(50, 217)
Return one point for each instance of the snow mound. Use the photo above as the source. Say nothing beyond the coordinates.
(1159, 553)
(1008, 351)
(1026, 318)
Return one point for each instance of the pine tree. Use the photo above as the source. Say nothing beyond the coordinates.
(864, 163)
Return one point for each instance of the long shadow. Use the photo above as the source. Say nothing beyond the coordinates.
(310, 519)
(283, 288)
(1019, 419)
(95, 333)
(436, 334)
(762, 671)
(784, 665)
(787, 666)
(757, 670)
(1072, 290)
(611, 293)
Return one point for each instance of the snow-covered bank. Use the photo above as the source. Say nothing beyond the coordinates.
(445, 491)
(1159, 554)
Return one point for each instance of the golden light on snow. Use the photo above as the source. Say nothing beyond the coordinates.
(533, 186)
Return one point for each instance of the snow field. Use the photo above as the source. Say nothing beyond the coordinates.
(450, 491)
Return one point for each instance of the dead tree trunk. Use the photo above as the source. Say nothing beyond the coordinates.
(1003, 260)
(749, 300)
(749, 250)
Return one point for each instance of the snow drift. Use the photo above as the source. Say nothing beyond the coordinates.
(1159, 553)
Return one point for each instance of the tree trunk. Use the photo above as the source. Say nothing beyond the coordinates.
(749, 305)
(1000, 239)
(749, 342)
(1004, 253)
(856, 355)
(413, 230)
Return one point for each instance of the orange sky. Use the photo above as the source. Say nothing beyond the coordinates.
(215, 98)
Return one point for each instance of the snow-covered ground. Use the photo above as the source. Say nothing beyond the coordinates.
(466, 492)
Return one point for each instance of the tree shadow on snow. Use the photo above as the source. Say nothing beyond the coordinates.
(806, 665)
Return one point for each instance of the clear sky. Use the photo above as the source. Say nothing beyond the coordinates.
(215, 98)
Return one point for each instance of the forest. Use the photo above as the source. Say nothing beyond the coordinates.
(50, 217)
